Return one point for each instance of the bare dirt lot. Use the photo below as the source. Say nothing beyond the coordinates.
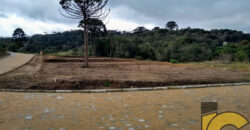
(51, 72)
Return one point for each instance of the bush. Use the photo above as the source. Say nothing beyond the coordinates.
(174, 61)
(106, 84)
(2, 51)
(138, 58)
(148, 60)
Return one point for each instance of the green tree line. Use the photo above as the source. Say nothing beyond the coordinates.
(183, 45)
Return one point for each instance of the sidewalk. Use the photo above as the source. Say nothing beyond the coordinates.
(150, 110)
(13, 61)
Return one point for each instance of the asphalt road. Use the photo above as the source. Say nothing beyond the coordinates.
(168, 109)
(13, 61)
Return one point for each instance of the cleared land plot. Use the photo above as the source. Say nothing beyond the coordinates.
(51, 72)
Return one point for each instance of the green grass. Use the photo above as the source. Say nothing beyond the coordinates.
(106, 84)
(217, 64)
(174, 61)
(148, 60)
(65, 53)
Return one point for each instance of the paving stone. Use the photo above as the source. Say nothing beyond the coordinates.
(141, 120)
(43, 119)
(164, 106)
(192, 121)
(160, 116)
(28, 117)
(112, 128)
(174, 125)
(125, 115)
(31, 128)
(111, 118)
(160, 112)
(60, 117)
(59, 97)
(53, 116)
(171, 107)
(120, 109)
(128, 125)
(46, 110)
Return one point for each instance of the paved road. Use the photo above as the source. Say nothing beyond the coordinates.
(13, 61)
(168, 109)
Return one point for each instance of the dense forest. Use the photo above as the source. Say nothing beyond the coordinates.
(184, 45)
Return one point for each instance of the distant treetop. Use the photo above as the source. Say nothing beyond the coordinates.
(172, 25)
(19, 35)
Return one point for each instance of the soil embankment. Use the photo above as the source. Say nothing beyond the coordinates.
(51, 72)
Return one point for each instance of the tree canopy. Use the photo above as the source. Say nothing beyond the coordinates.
(85, 11)
(184, 45)
(19, 36)
(139, 30)
(172, 25)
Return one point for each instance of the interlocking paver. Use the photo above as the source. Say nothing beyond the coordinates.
(166, 109)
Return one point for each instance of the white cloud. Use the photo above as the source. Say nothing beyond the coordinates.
(30, 26)
(118, 24)
(38, 16)
(123, 18)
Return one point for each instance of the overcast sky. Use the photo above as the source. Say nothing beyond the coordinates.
(39, 16)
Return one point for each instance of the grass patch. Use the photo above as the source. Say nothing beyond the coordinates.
(65, 53)
(106, 84)
(174, 61)
(148, 60)
(217, 64)
(138, 57)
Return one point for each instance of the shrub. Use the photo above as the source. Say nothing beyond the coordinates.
(2, 51)
(106, 84)
(148, 60)
(138, 58)
(174, 61)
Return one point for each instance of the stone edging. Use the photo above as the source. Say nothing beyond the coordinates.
(126, 89)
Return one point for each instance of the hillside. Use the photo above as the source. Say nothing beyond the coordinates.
(184, 45)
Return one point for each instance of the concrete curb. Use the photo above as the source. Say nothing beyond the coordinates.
(126, 89)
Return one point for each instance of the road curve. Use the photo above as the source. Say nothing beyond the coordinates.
(13, 61)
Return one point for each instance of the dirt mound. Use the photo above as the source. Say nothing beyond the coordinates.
(105, 84)
(82, 59)
(45, 73)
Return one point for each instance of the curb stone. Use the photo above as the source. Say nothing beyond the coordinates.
(126, 89)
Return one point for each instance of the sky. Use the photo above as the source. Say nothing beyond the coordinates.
(43, 16)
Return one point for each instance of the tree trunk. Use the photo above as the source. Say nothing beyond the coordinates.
(86, 45)
(93, 45)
